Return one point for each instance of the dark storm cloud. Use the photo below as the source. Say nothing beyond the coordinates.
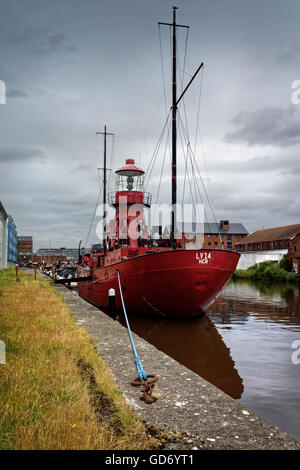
(15, 93)
(54, 43)
(43, 41)
(86, 64)
(290, 55)
(21, 154)
(268, 126)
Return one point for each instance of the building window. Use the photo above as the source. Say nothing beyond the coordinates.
(216, 243)
(209, 243)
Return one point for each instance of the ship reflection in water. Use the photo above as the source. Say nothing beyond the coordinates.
(243, 346)
(195, 344)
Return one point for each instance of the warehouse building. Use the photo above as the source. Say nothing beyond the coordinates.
(271, 244)
(68, 253)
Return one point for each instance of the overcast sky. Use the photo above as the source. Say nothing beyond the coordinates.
(71, 67)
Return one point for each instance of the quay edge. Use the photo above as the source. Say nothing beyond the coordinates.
(186, 404)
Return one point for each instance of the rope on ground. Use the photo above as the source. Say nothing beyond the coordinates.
(143, 378)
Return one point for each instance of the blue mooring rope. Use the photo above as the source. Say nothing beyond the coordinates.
(142, 375)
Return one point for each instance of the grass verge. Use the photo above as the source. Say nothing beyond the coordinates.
(56, 393)
(268, 271)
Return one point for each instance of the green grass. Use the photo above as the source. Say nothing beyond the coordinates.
(268, 271)
(56, 392)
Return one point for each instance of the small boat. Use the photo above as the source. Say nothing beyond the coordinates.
(156, 278)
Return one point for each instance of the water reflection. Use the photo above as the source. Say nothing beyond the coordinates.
(243, 346)
(259, 322)
(196, 344)
(275, 303)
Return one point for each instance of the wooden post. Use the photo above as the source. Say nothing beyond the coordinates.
(53, 275)
(17, 271)
(35, 272)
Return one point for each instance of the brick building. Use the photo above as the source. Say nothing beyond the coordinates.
(227, 233)
(49, 259)
(274, 239)
(207, 235)
(25, 246)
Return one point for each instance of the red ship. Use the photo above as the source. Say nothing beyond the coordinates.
(157, 277)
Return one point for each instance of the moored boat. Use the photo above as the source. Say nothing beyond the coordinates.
(157, 277)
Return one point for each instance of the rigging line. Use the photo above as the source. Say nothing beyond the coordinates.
(186, 159)
(158, 142)
(152, 163)
(200, 136)
(208, 200)
(194, 175)
(146, 149)
(206, 169)
(205, 213)
(194, 205)
(171, 49)
(193, 202)
(188, 143)
(183, 73)
(184, 182)
(155, 153)
(149, 126)
(163, 71)
(153, 116)
(189, 149)
(197, 121)
(182, 76)
(162, 169)
(94, 213)
(111, 162)
(198, 112)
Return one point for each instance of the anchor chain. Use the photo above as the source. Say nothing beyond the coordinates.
(148, 385)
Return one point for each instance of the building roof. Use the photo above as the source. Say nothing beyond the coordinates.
(25, 239)
(208, 228)
(234, 229)
(286, 232)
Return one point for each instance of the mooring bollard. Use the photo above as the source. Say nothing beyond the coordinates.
(112, 302)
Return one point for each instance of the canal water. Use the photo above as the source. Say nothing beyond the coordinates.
(243, 345)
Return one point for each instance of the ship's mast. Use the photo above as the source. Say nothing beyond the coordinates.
(174, 137)
(175, 102)
(174, 128)
(104, 187)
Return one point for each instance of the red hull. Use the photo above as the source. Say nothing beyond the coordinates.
(176, 283)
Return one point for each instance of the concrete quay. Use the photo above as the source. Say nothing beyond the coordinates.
(194, 413)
